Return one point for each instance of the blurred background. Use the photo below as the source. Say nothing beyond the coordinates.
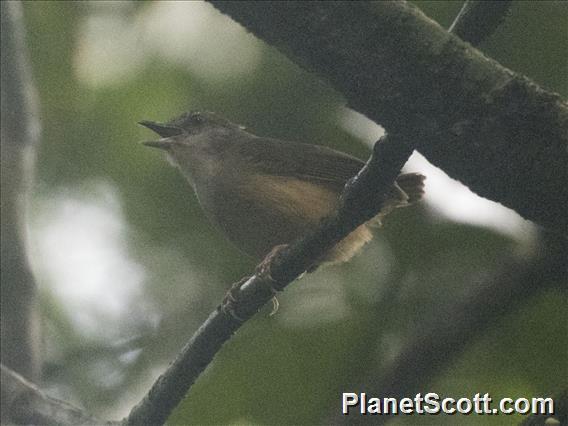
(128, 266)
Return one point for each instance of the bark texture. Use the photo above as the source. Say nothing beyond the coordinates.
(494, 130)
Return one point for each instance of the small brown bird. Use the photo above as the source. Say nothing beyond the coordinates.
(264, 192)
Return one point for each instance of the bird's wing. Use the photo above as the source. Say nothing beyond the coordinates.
(308, 162)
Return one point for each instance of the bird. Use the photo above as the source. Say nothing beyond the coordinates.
(263, 192)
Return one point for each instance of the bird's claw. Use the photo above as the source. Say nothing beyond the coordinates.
(263, 269)
(231, 299)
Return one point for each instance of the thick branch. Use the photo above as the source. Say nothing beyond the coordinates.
(494, 130)
(24, 403)
(362, 200)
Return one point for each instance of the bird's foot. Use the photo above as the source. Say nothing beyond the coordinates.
(231, 299)
(263, 269)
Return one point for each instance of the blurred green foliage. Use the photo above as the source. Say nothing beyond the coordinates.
(276, 370)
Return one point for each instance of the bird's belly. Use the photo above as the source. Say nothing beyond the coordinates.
(264, 211)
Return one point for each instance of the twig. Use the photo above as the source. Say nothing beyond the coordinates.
(362, 199)
(477, 20)
(24, 403)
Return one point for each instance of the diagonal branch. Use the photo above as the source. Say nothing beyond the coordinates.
(361, 200)
(496, 131)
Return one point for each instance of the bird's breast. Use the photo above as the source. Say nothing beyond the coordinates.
(258, 212)
(295, 198)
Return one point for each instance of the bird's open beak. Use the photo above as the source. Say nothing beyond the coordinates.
(164, 143)
(164, 130)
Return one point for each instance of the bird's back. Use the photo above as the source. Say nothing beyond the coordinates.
(293, 187)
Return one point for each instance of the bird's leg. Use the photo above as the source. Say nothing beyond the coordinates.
(263, 270)
(231, 299)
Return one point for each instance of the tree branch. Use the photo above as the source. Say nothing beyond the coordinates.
(362, 199)
(24, 403)
(494, 130)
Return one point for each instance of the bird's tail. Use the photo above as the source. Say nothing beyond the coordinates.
(408, 189)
